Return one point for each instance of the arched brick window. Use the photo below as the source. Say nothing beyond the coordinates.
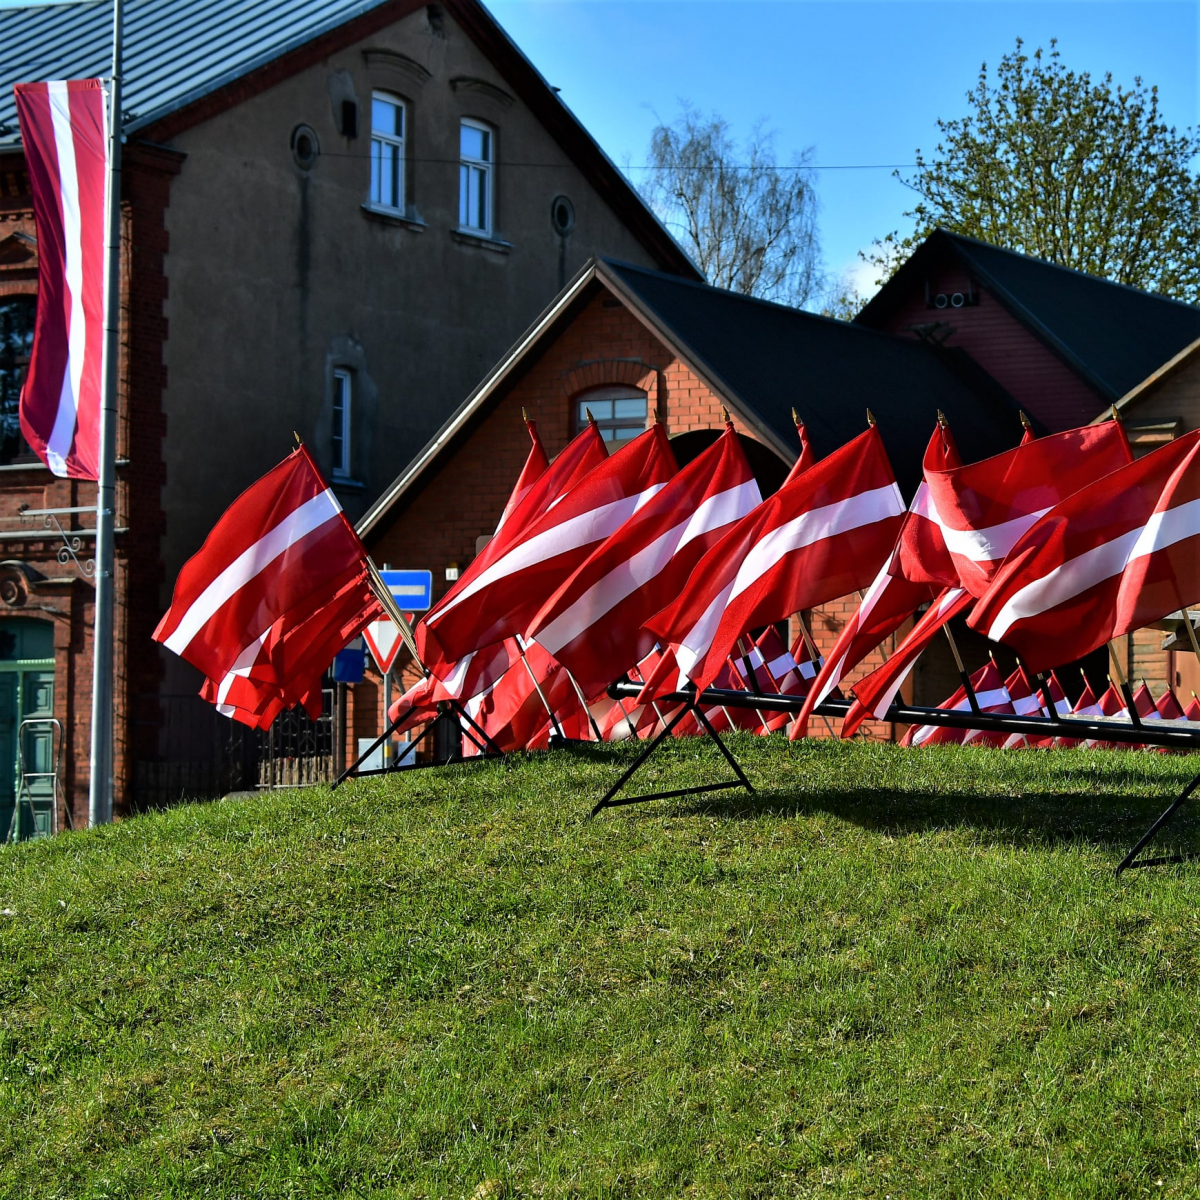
(16, 340)
(620, 412)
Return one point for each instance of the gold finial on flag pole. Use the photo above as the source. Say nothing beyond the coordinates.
(524, 415)
(1116, 416)
(299, 443)
(1024, 420)
(591, 419)
(942, 418)
(870, 417)
(724, 414)
(796, 416)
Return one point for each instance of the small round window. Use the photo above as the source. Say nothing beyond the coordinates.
(562, 215)
(305, 147)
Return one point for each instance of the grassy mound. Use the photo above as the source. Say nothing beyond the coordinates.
(891, 974)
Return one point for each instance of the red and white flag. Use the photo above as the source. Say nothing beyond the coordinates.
(777, 669)
(536, 465)
(1191, 711)
(893, 596)
(819, 537)
(921, 556)
(64, 131)
(991, 696)
(985, 507)
(874, 693)
(280, 579)
(1085, 706)
(1113, 557)
(500, 600)
(593, 622)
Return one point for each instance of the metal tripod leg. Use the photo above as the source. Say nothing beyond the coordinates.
(610, 799)
(1129, 860)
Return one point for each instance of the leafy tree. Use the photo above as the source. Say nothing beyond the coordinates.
(1052, 164)
(749, 223)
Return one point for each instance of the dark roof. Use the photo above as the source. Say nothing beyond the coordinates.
(761, 359)
(1112, 335)
(186, 60)
(766, 358)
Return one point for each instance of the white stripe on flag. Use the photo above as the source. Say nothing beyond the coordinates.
(1094, 566)
(58, 445)
(582, 530)
(299, 523)
(990, 544)
(814, 526)
(606, 593)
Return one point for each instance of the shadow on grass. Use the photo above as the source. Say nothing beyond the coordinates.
(1107, 805)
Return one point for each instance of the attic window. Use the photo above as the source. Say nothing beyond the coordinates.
(619, 412)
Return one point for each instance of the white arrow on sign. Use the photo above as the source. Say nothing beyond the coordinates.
(383, 640)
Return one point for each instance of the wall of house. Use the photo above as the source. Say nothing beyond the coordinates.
(1031, 373)
(278, 274)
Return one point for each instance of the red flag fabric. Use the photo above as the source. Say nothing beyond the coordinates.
(573, 465)
(593, 623)
(892, 597)
(874, 693)
(281, 577)
(536, 465)
(503, 598)
(921, 555)
(1110, 704)
(1192, 710)
(776, 669)
(1085, 706)
(1062, 706)
(1025, 701)
(473, 675)
(821, 536)
(807, 454)
(984, 508)
(1169, 707)
(991, 696)
(64, 134)
(1113, 557)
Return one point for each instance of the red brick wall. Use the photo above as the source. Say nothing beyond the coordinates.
(1012, 354)
(67, 596)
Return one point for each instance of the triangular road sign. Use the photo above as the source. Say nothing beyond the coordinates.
(383, 640)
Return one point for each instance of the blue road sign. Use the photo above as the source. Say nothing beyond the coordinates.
(348, 665)
(413, 590)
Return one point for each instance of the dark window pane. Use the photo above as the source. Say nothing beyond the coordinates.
(16, 341)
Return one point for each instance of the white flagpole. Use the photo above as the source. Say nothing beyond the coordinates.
(100, 788)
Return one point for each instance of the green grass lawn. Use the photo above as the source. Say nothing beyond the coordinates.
(892, 973)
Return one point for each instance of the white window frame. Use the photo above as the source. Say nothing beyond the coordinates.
(343, 399)
(470, 169)
(397, 143)
(593, 398)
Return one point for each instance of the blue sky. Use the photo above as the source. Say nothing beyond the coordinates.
(861, 82)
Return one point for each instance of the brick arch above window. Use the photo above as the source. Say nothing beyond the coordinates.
(612, 372)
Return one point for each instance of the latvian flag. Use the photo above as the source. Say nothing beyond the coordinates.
(64, 134)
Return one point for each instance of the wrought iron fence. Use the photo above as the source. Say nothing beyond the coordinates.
(185, 750)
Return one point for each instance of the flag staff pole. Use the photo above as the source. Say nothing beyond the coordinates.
(100, 785)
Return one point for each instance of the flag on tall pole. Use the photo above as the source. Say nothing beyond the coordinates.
(63, 132)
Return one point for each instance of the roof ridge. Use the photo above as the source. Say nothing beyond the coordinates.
(791, 309)
(1045, 262)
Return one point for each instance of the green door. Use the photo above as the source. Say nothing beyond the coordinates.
(37, 794)
(10, 688)
(26, 691)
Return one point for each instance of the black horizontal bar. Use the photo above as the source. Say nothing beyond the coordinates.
(1150, 733)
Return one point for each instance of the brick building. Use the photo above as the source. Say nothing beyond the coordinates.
(336, 217)
(977, 332)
